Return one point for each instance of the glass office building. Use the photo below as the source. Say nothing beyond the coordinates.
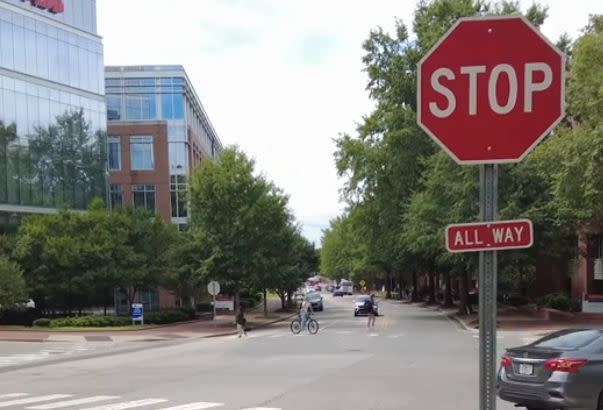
(158, 131)
(52, 107)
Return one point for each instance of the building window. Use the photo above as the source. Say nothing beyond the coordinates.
(141, 107)
(114, 149)
(113, 107)
(117, 196)
(178, 196)
(141, 153)
(144, 196)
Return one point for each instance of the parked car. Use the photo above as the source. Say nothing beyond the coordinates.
(338, 292)
(315, 300)
(360, 306)
(563, 370)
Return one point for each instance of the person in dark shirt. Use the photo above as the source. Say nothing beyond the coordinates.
(369, 306)
(241, 322)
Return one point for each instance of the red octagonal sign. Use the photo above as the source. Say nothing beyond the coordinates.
(490, 89)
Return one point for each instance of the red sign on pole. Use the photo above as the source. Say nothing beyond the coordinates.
(489, 236)
(490, 90)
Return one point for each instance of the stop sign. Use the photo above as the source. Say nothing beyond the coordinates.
(490, 89)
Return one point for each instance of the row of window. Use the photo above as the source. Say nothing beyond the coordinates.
(144, 106)
(144, 196)
(41, 50)
(141, 153)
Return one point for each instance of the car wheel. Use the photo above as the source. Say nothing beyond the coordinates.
(600, 405)
(355, 313)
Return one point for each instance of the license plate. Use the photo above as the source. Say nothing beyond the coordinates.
(526, 369)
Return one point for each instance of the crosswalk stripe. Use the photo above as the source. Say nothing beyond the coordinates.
(262, 408)
(68, 403)
(34, 400)
(12, 395)
(194, 406)
(127, 404)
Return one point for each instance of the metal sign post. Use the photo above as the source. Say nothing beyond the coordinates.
(213, 288)
(488, 200)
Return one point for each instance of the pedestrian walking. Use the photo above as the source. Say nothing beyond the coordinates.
(241, 322)
(370, 309)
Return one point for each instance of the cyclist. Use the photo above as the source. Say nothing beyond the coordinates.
(305, 310)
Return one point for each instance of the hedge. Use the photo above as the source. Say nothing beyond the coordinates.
(161, 317)
(42, 322)
(560, 302)
(204, 307)
(91, 321)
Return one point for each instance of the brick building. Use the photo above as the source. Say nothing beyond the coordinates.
(157, 131)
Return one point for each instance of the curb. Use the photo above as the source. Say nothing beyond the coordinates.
(460, 322)
(163, 343)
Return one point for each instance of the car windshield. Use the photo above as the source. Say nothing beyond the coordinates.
(568, 339)
(362, 298)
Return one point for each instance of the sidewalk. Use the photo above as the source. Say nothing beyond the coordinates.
(221, 326)
(526, 319)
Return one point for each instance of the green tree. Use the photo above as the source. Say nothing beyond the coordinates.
(388, 168)
(228, 203)
(12, 285)
(299, 260)
(141, 251)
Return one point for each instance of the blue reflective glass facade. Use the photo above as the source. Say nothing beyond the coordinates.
(51, 86)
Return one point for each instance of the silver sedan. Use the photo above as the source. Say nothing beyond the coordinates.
(563, 370)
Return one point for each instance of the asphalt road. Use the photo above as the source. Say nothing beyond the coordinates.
(414, 358)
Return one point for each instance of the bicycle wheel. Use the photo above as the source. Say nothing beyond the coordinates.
(296, 326)
(313, 326)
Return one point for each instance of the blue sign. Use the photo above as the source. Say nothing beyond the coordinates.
(137, 311)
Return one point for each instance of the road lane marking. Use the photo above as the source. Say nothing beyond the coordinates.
(127, 404)
(194, 406)
(36, 399)
(12, 395)
(69, 403)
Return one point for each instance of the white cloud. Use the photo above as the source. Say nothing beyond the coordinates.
(252, 64)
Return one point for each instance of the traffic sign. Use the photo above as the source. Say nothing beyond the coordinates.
(213, 288)
(362, 283)
(489, 236)
(490, 89)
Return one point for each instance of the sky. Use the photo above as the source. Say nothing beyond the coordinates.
(279, 78)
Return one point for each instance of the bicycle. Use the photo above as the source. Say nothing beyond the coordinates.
(311, 324)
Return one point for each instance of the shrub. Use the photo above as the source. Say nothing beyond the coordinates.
(91, 321)
(560, 302)
(204, 307)
(42, 322)
(190, 313)
(161, 317)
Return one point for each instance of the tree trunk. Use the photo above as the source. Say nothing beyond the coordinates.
(265, 303)
(432, 287)
(448, 293)
(401, 285)
(290, 298)
(465, 306)
(414, 294)
(283, 300)
(388, 285)
(237, 300)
